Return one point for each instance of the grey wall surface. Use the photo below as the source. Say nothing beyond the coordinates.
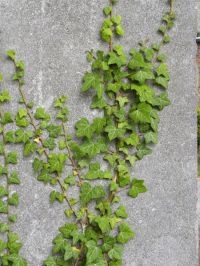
(52, 37)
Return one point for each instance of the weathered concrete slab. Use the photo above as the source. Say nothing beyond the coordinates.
(52, 37)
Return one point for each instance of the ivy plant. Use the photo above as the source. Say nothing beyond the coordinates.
(10, 244)
(89, 172)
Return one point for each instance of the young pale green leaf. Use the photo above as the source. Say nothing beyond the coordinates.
(103, 223)
(161, 100)
(107, 10)
(162, 81)
(137, 187)
(5, 96)
(17, 260)
(142, 75)
(119, 30)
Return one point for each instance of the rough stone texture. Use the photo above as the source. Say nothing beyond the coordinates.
(52, 37)
(198, 17)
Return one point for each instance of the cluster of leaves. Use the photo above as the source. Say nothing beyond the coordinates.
(9, 242)
(129, 91)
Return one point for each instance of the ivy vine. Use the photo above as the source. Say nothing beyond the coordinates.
(89, 171)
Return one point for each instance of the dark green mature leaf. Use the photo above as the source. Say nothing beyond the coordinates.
(94, 252)
(29, 148)
(151, 137)
(23, 135)
(55, 195)
(84, 128)
(68, 229)
(3, 207)
(137, 187)
(91, 148)
(161, 101)
(49, 143)
(50, 261)
(142, 75)
(125, 233)
(14, 178)
(41, 114)
(17, 260)
(98, 103)
(143, 150)
(9, 137)
(116, 252)
(88, 193)
(145, 93)
(138, 61)
(90, 81)
(44, 176)
(121, 212)
(14, 244)
(56, 162)
(54, 130)
(114, 132)
(132, 140)
(142, 113)
(7, 118)
(98, 124)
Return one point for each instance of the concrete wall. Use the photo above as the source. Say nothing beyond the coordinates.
(52, 37)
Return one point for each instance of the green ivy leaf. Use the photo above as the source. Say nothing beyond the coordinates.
(107, 10)
(4, 227)
(162, 81)
(3, 207)
(14, 244)
(13, 199)
(151, 137)
(50, 261)
(83, 128)
(137, 187)
(103, 223)
(7, 118)
(49, 143)
(29, 148)
(143, 150)
(41, 114)
(23, 136)
(114, 132)
(88, 193)
(162, 70)
(56, 162)
(116, 252)
(142, 75)
(14, 179)
(3, 191)
(54, 130)
(9, 137)
(121, 212)
(119, 30)
(93, 253)
(132, 140)
(161, 101)
(90, 81)
(125, 233)
(5, 96)
(11, 158)
(55, 195)
(142, 113)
